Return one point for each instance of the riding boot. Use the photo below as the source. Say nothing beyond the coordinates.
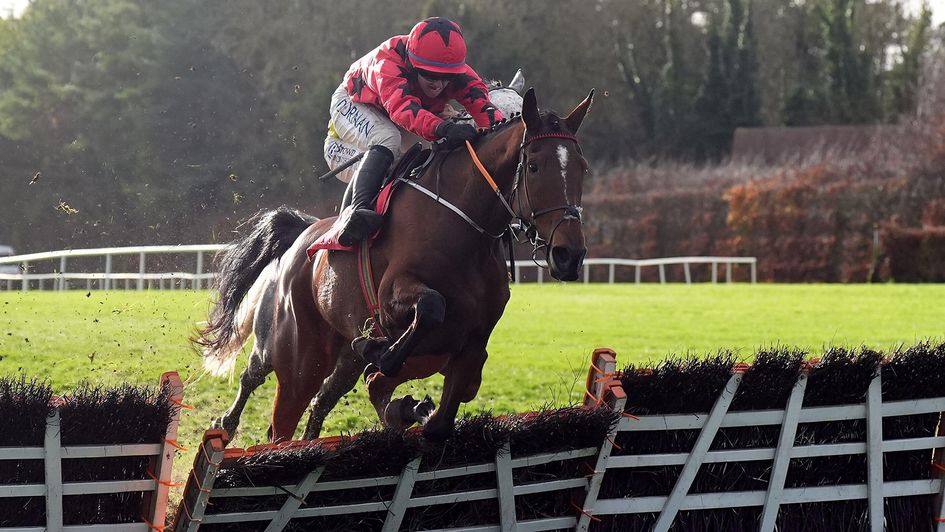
(363, 221)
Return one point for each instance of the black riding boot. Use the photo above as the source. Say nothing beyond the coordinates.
(363, 221)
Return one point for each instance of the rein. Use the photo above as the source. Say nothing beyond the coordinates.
(485, 174)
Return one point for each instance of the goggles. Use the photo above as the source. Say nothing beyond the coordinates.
(435, 76)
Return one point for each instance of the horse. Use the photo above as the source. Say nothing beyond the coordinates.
(443, 281)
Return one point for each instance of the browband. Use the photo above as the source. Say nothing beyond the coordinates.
(559, 135)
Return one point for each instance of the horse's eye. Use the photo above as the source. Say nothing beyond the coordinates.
(532, 167)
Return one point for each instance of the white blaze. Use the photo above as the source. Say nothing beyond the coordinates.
(563, 159)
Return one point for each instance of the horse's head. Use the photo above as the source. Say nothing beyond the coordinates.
(550, 180)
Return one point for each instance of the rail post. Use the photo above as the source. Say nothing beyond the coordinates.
(107, 282)
(62, 271)
(196, 285)
(141, 269)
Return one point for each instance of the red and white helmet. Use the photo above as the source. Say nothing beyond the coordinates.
(436, 44)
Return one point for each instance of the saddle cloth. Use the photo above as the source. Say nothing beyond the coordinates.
(414, 158)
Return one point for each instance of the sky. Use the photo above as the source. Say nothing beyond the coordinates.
(14, 7)
(938, 9)
(11, 7)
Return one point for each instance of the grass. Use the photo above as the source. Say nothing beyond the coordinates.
(538, 354)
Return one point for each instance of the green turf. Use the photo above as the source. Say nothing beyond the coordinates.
(538, 354)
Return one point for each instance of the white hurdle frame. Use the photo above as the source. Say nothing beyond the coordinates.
(54, 489)
(875, 490)
(602, 387)
(192, 514)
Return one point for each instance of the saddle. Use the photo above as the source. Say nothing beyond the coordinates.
(410, 166)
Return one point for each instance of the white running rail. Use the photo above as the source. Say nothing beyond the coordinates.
(107, 277)
(40, 271)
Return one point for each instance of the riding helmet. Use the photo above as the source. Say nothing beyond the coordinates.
(436, 44)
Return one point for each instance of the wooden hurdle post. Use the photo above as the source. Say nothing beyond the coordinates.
(200, 482)
(163, 463)
(938, 466)
(53, 489)
(52, 447)
(603, 387)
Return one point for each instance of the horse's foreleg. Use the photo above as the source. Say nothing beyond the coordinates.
(341, 381)
(463, 376)
(429, 311)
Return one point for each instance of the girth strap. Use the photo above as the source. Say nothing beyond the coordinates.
(368, 286)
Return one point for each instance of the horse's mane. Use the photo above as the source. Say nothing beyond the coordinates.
(515, 118)
(505, 123)
(501, 125)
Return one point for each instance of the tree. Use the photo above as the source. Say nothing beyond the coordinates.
(903, 78)
(713, 115)
(746, 100)
(851, 78)
(130, 128)
(729, 95)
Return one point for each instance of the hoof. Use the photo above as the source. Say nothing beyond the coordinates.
(399, 413)
(438, 429)
(370, 349)
(437, 434)
(404, 412)
(424, 409)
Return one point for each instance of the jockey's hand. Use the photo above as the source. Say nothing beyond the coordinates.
(451, 113)
(455, 134)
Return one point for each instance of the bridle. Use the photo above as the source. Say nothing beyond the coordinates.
(519, 227)
(526, 229)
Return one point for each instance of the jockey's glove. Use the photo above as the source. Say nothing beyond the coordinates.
(455, 134)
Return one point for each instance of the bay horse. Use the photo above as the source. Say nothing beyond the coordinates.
(443, 281)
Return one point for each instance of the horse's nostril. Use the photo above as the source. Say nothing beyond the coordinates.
(560, 255)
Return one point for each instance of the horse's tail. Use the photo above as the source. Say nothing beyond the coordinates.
(242, 278)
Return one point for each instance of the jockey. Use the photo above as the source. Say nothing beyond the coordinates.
(390, 97)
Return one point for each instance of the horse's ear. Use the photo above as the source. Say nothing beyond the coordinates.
(530, 110)
(577, 115)
(518, 82)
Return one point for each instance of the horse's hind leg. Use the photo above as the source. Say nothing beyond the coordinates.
(341, 381)
(260, 359)
(301, 366)
(252, 377)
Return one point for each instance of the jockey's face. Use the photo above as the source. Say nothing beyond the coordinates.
(432, 83)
